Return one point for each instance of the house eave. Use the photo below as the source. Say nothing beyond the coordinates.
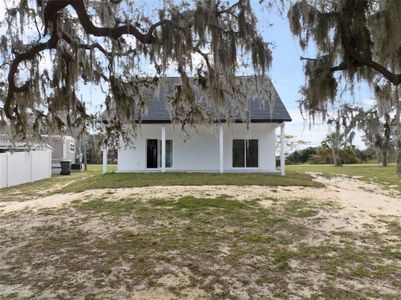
(222, 121)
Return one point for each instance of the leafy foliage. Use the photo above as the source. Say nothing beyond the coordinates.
(378, 131)
(292, 143)
(301, 156)
(359, 38)
(323, 155)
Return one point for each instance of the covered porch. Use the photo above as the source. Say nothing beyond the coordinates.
(221, 149)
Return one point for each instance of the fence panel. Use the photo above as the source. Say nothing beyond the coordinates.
(22, 167)
(41, 165)
(3, 170)
(19, 168)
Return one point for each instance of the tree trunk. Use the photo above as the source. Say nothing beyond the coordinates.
(384, 157)
(337, 143)
(398, 132)
(338, 159)
(84, 157)
(386, 142)
(398, 159)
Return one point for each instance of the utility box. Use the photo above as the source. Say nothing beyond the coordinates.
(76, 167)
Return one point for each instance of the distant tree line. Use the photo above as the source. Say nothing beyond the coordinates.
(376, 125)
(323, 155)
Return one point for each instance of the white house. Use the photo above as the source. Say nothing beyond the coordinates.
(232, 147)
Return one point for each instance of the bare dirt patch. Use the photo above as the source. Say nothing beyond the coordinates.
(201, 242)
(361, 203)
(350, 193)
(354, 194)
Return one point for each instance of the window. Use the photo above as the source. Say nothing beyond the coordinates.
(154, 154)
(72, 147)
(245, 154)
(238, 153)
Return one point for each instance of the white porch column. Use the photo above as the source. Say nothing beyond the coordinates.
(221, 148)
(104, 159)
(163, 149)
(282, 150)
(50, 162)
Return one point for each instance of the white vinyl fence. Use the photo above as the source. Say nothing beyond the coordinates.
(21, 167)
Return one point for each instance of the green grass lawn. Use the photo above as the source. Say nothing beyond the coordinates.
(369, 172)
(124, 180)
(44, 187)
(94, 179)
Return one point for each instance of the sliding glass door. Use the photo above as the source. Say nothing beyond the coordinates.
(154, 154)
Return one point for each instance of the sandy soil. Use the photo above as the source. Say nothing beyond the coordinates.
(356, 205)
(360, 204)
(351, 194)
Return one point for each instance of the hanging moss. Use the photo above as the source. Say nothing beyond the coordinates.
(222, 34)
(359, 39)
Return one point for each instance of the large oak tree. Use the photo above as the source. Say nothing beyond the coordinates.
(356, 40)
(49, 48)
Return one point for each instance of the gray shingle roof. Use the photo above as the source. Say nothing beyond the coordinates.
(258, 105)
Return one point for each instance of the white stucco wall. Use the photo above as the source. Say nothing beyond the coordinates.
(200, 151)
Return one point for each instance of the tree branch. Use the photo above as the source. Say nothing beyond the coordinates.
(28, 55)
(51, 15)
(341, 67)
(228, 10)
(363, 61)
(54, 6)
